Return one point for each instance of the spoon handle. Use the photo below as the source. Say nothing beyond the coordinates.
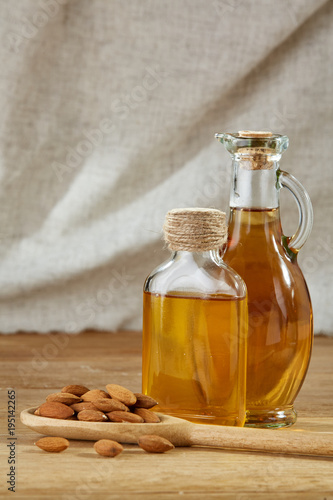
(292, 442)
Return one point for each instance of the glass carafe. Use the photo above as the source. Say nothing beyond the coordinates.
(280, 313)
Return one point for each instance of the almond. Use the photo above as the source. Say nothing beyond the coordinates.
(154, 444)
(53, 409)
(107, 405)
(77, 390)
(124, 416)
(85, 405)
(121, 394)
(108, 448)
(94, 394)
(92, 416)
(143, 401)
(63, 397)
(52, 444)
(149, 417)
(36, 412)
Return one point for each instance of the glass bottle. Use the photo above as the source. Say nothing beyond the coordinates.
(280, 314)
(195, 325)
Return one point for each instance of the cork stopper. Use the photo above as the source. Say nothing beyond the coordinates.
(195, 229)
(255, 134)
(256, 158)
(255, 149)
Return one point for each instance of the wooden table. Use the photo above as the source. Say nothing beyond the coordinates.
(36, 365)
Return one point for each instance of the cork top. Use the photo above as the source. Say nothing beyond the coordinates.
(255, 149)
(195, 229)
(255, 134)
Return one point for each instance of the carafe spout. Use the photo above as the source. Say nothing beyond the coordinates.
(219, 137)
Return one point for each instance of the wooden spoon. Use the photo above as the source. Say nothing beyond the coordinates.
(183, 433)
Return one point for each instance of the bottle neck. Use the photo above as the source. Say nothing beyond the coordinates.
(254, 188)
(198, 257)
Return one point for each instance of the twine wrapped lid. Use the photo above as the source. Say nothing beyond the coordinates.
(195, 229)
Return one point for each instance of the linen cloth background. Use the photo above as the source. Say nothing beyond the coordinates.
(108, 115)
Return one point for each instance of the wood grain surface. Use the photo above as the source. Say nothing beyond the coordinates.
(37, 365)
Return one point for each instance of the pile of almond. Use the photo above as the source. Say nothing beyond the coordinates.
(118, 404)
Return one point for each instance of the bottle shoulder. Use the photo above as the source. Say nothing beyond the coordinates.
(195, 274)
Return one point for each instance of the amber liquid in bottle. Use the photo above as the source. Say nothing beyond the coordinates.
(194, 356)
(280, 314)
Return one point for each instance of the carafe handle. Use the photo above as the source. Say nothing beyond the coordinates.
(303, 231)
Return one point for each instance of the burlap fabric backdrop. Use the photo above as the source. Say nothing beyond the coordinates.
(109, 110)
